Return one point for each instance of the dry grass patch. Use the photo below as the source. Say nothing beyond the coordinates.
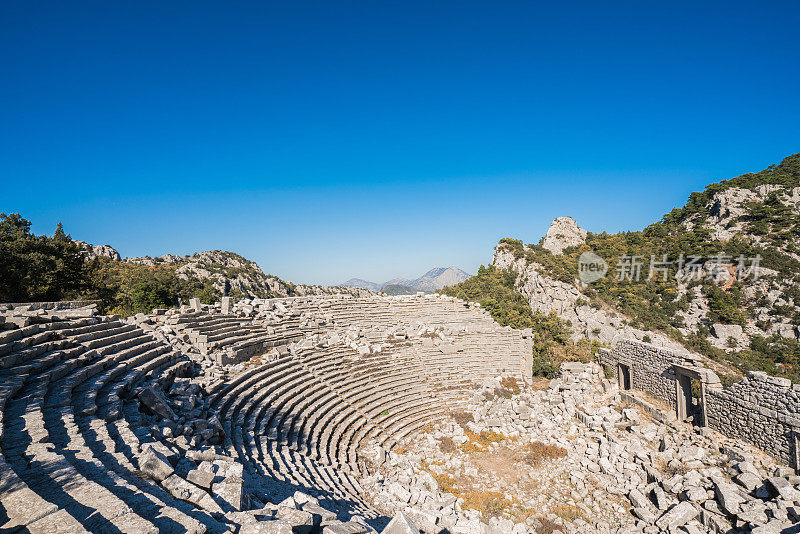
(447, 483)
(537, 452)
(447, 445)
(427, 429)
(481, 441)
(547, 526)
(508, 388)
(400, 449)
(502, 464)
(489, 503)
(462, 417)
(567, 512)
(540, 383)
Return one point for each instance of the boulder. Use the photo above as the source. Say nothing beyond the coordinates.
(319, 514)
(302, 522)
(186, 491)
(276, 526)
(725, 331)
(748, 480)
(201, 478)
(350, 527)
(728, 496)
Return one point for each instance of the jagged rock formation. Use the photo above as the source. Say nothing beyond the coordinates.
(563, 232)
(729, 285)
(548, 295)
(244, 276)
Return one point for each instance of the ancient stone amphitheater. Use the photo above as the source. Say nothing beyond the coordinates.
(241, 417)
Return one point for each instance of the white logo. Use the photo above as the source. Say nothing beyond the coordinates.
(591, 267)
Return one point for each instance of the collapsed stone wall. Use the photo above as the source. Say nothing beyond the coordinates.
(761, 410)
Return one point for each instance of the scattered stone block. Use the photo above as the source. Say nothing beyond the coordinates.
(350, 527)
(678, 515)
(229, 491)
(276, 526)
(318, 513)
(728, 496)
(748, 480)
(780, 487)
(201, 478)
(155, 403)
(302, 522)
(186, 491)
(154, 464)
(400, 524)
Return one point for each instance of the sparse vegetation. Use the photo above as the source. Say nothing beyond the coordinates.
(481, 441)
(655, 304)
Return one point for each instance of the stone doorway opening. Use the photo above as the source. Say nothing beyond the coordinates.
(624, 374)
(690, 396)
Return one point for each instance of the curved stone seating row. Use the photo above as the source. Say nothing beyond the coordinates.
(302, 418)
(71, 434)
(253, 405)
(68, 458)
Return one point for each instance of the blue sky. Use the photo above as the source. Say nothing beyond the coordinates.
(379, 139)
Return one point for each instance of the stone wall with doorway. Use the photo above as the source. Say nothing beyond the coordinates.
(762, 410)
(652, 368)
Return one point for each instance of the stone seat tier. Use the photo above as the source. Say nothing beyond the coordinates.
(261, 390)
(49, 472)
(65, 478)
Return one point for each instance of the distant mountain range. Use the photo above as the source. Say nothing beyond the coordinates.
(429, 282)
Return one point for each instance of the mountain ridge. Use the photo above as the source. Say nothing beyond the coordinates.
(433, 280)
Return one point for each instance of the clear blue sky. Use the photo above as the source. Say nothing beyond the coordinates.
(379, 139)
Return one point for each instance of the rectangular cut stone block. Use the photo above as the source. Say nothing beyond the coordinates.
(230, 492)
(185, 491)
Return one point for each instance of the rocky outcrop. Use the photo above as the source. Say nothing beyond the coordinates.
(564, 232)
(547, 295)
(242, 276)
(729, 209)
(98, 251)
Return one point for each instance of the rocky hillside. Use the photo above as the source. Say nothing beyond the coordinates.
(52, 268)
(719, 276)
(244, 277)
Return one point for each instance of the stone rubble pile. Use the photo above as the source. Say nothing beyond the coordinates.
(620, 471)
